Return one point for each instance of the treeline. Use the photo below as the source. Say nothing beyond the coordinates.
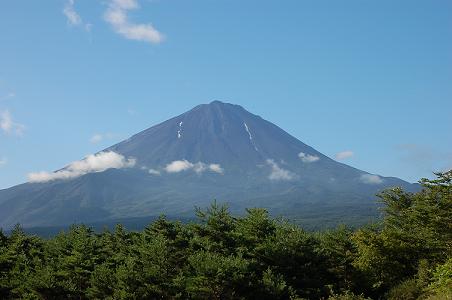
(406, 256)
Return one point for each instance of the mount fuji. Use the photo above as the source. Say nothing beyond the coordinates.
(214, 151)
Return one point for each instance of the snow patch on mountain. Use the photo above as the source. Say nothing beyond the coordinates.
(250, 136)
(179, 132)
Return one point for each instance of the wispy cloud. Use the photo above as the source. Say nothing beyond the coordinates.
(117, 16)
(96, 138)
(99, 137)
(9, 95)
(424, 158)
(371, 179)
(199, 167)
(154, 172)
(3, 161)
(8, 125)
(344, 155)
(307, 158)
(72, 16)
(278, 173)
(131, 111)
(91, 164)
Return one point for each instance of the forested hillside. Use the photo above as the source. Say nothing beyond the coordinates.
(406, 256)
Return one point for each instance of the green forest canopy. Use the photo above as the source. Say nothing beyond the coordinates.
(406, 256)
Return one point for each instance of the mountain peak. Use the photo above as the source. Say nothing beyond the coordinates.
(214, 151)
(222, 105)
(218, 110)
(217, 102)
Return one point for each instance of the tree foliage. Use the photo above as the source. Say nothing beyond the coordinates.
(406, 256)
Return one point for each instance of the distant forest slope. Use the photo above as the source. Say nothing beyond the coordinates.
(407, 256)
(309, 220)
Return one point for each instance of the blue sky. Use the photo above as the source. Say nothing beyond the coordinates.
(369, 77)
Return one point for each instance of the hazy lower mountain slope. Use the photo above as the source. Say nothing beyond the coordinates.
(214, 151)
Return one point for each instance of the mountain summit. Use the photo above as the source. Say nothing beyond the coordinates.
(216, 132)
(214, 151)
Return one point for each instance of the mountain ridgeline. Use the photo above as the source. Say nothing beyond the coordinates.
(214, 151)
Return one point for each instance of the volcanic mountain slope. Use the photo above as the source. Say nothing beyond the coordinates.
(214, 151)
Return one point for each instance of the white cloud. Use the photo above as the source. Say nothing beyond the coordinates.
(72, 16)
(99, 137)
(91, 164)
(199, 167)
(8, 125)
(278, 173)
(154, 172)
(178, 166)
(116, 16)
(344, 155)
(216, 168)
(307, 158)
(371, 179)
(3, 161)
